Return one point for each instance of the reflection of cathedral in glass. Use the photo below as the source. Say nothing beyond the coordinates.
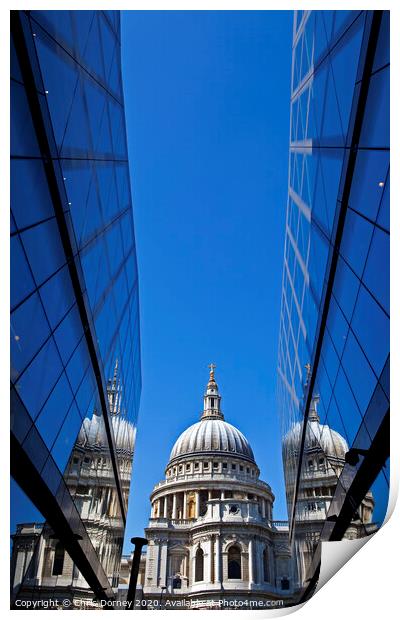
(42, 566)
(323, 461)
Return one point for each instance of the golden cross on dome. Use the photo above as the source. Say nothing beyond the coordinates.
(212, 367)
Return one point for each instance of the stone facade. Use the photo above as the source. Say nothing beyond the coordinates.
(211, 531)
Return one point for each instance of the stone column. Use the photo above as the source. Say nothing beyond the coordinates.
(251, 562)
(152, 565)
(209, 562)
(263, 508)
(209, 495)
(163, 563)
(260, 562)
(184, 505)
(174, 506)
(165, 506)
(217, 557)
(192, 561)
(197, 508)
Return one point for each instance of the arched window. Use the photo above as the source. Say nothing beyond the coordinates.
(199, 565)
(285, 584)
(58, 562)
(266, 565)
(177, 583)
(234, 563)
(191, 510)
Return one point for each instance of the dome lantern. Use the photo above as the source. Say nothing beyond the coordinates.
(212, 434)
(212, 399)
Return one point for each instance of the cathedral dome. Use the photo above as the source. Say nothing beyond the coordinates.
(212, 435)
(317, 436)
(93, 433)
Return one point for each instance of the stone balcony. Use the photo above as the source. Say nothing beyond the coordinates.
(214, 477)
(163, 522)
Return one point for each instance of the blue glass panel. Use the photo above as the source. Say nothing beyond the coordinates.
(77, 139)
(94, 267)
(376, 126)
(371, 326)
(30, 197)
(92, 222)
(357, 368)
(38, 379)
(380, 492)
(115, 76)
(337, 327)
(15, 68)
(21, 281)
(65, 441)
(355, 241)
(347, 406)
(44, 250)
(330, 357)
(29, 329)
(320, 35)
(82, 22)
(344, 59)
(78, 365)
(331, 129)
(384, 210)
(23, 137)
(117, 121)
(376, 276)
(342, 20)
(93, 57)
(108, 44)
(60, 79)
(78, 179)
(382, 54)
(68, 334)
(58, 296)
(337, 422)
(56, 23)
(20, 420)
(96, 99)
(85, 393)
(327, 186)
(54, 411)
(318, 259)
(368, 182)
(67, 27)
(104, 145)
(345, 288)
(52, 475)
(35, 448)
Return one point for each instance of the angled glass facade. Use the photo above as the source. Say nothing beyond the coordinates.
(333, 365)
(75, 341)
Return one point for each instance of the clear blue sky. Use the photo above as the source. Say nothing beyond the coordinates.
(207, 110)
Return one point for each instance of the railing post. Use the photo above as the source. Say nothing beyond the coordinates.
(139, 544)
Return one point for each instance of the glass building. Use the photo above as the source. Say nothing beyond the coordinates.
(75, 341)
(333, 364)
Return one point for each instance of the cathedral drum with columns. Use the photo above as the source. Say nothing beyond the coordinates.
(211, 534)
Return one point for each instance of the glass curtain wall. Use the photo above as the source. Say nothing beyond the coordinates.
(75, 341)
(333, 364)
